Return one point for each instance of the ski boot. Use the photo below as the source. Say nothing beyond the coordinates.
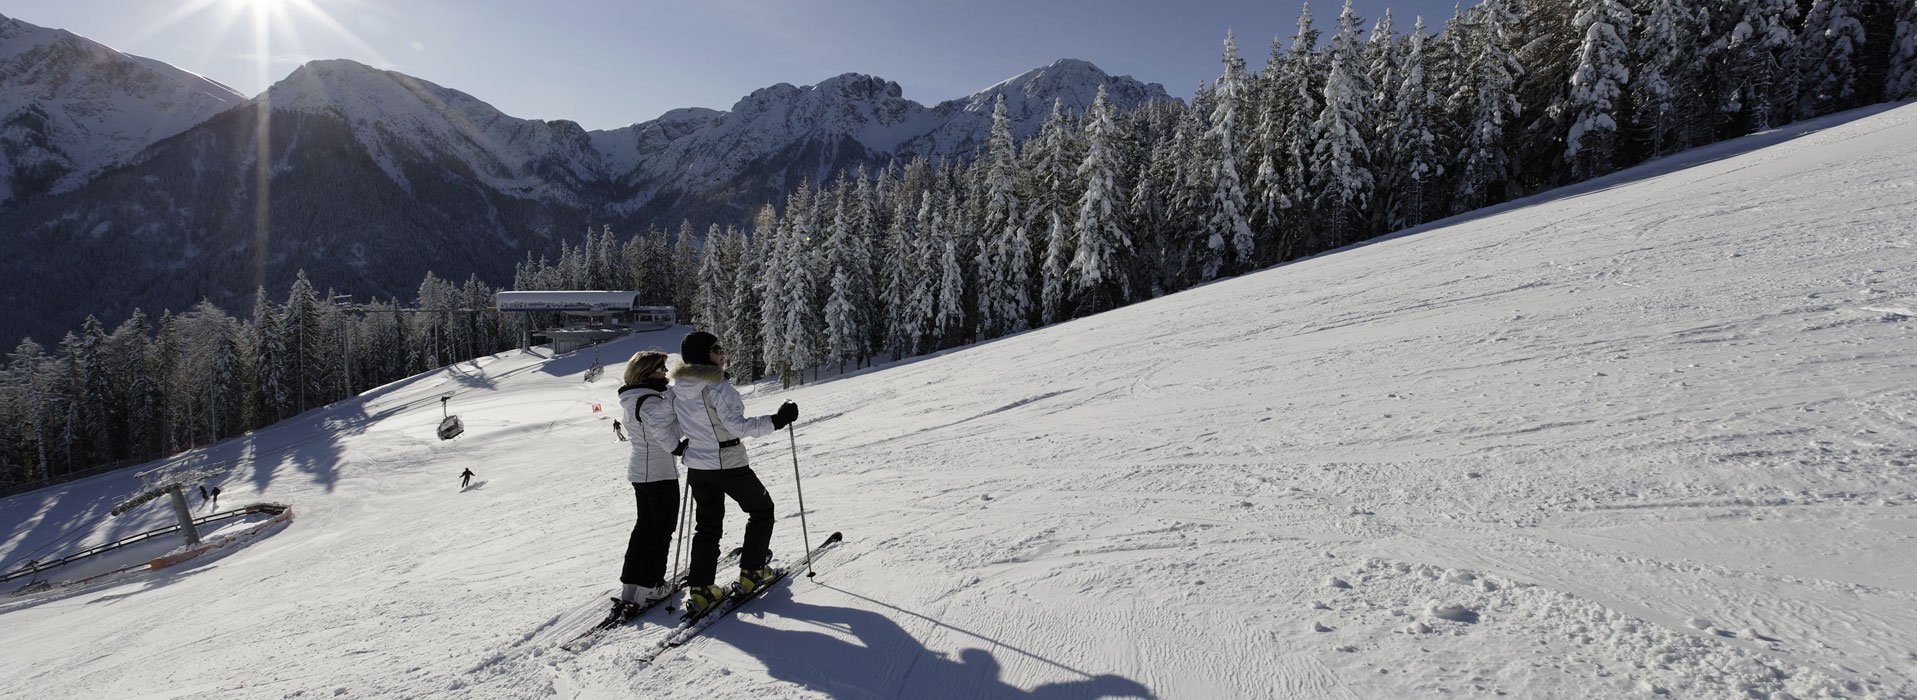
(753, 579)
(652, 596)
(702, 598)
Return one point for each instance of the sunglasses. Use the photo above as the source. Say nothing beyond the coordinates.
(718, 349)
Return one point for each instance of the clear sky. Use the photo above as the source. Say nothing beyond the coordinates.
(606, 64)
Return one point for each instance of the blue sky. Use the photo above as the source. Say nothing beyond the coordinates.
(606, 64)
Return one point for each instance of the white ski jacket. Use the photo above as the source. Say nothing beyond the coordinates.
(655, 434)
(712, 417)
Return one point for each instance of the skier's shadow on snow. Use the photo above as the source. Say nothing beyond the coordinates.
(886, 661)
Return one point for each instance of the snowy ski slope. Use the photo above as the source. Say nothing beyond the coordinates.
(1652, 434)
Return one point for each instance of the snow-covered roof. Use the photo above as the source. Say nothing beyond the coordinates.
(567, 301)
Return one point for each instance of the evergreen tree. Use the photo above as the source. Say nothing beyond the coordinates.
(1004, 258)
(948, 323)
(1299, 88)
(273, 390)
(1054, 299)
(1760, 60)
(1901, 80)
(1228, 241)
(1097, 268)
(1597, 86)
(1830, 41)
(772, 296)
(850, 298)
(919, 314)
(1657, 90)
(1486, 103)
(714, 301)
(685, 272)
(1340, 158)
(28, 363)
(1409, 135)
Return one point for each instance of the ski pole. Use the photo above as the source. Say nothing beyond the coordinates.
(803, 530)
(679, 551)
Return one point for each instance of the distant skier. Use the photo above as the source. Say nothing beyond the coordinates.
(216, 498)
(654, 473)
(617, 429)
(712, 416)
(203, 497)
(466, 477)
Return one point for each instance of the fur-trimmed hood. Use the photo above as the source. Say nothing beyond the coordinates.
(701, 373)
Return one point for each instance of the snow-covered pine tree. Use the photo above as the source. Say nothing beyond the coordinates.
(1146, 212)
(919, 313)
(685, 271)
(1340, 159)
(1380, 56)
(93, 386)
(1597, 86)
(772, 296)
(849, 300)
(1485, 103)
(747, 322)
(227, 378)
(1661, 82)
(270, 389)
(1266, 198)
(1097, 272)
(1410, 139)
(948, 321)
(1830, 41)
(1228, 244)
(1300, 88)
(300, 319)
(1004, 254)
(1900, 82)
(28, 365)
(801, 326)
(714, 287)
(900, 275)
(863, 218)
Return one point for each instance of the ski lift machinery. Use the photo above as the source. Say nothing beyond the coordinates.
(449, 425)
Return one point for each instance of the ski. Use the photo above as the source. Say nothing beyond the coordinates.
(691, 625)
(585, 639)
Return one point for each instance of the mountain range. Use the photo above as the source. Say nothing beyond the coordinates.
(125, 182)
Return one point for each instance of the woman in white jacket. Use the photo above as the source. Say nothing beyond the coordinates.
(712, 417)
(655, 482)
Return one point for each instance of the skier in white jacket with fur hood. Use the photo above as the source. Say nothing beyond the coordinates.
(654, 473)
(712, 416)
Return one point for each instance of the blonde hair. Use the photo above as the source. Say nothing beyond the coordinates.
(642, 365)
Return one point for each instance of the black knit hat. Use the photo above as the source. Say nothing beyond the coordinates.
(696, 349)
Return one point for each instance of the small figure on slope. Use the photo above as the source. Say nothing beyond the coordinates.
(654, 474)
(465, 478)
(216, 499)
(617, 429)
(712, 416)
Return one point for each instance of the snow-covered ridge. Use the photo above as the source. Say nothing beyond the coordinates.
(70, 106)
(397, 117)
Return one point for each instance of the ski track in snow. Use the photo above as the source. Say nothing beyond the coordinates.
(1655, 435)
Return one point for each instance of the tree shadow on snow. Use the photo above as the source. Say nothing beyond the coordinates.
(883, 660)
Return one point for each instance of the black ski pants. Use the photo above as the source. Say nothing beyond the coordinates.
(710, 489)
(652, 533)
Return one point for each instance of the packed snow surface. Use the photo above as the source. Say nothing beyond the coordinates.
(1656, 434)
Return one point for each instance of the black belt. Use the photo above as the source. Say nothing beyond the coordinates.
(728, 443)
